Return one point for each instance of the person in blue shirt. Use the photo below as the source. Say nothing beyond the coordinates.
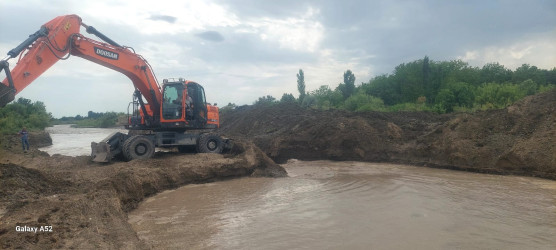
(24, 139)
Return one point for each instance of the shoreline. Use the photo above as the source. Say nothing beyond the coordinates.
(86, 203)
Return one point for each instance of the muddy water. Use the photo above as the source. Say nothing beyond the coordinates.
(351, 205)
(75, 141)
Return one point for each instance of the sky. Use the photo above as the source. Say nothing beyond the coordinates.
(240, 50)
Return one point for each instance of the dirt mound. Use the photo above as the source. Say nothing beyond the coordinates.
(18, 183)
(517, 140)
(12, 142)
(84, 204)
(288, 131)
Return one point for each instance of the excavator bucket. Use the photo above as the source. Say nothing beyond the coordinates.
(108, 148)
(7, 95)
(100, 152)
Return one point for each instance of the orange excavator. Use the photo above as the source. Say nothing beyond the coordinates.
(175, 114)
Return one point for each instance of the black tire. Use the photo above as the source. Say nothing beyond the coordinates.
(210, 143)
(138, 147)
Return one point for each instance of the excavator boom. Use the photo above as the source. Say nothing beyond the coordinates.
(60, 38)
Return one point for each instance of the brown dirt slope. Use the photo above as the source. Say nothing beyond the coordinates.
(86, 203)
(518, 140)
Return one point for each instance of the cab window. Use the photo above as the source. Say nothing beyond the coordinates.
(172, 106)
(170, 94)
(202, 99)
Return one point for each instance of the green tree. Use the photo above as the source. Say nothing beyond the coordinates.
(108, 120)
(229, 107)
(445, 101)
(526, 71)
(327, 98)
(429, 88)
(408, 79)
(463, 93)
(287, 98)
(528, 87)
(265, 100)
(308, 101)
(348, 87)
(301, 85)
(494, 72)
(384, 87)
(24, 112)
(551, 76)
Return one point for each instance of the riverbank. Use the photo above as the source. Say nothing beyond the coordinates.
(517, 140)
(85, 204)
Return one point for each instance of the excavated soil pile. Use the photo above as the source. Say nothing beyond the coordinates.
(520, 139)
(84, 204)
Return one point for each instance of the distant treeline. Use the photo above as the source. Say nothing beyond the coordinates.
(92, 120)
(426, 85)
(23, 113)
(421, 85)
(33, 115)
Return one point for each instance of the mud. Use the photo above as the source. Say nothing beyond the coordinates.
(86, 203)
(518, 140)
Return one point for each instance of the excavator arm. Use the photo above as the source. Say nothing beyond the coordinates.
(60, 38)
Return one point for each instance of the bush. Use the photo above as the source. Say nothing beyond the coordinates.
(287, 98)
(363, 102)
(409, 107)
(498, 95)
(528, 87)
(266, 101)
(23, 112)
(308, 101)
(445, 101)
(227, 108)
(100, 120)
(326, 98)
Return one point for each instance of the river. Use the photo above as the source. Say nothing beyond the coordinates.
(70, 141)
(354, 205)
(342, 205)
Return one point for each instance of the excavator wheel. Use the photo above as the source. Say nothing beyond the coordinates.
(210, 143)
(138, 147)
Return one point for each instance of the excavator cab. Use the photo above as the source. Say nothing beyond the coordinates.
(184, 105)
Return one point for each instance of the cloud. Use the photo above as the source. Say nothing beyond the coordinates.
(512, 56)
(252, 48)
(165, 18)
(302, 33)
(212, 36)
